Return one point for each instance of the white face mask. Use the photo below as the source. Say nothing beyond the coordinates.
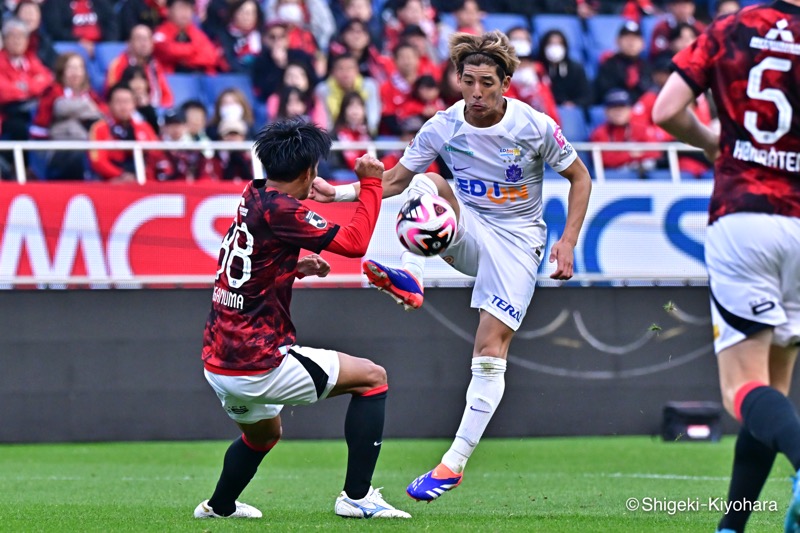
(555, 53)
(526, 76)
(522, 47)
(231, 112)
(291, 13)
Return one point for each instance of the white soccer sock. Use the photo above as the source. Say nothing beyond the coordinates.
(413, 263)
(483, 396)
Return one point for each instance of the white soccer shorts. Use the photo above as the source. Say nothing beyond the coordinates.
(305, 375)
(753, 264)
(505, 273)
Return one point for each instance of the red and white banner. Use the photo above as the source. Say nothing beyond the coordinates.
(103, 232)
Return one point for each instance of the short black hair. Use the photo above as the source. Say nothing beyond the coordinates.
(120, 86)
(287, 148)
(193, 104)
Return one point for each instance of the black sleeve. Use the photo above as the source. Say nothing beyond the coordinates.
(106, 17)
(582, 89)
(57, 21)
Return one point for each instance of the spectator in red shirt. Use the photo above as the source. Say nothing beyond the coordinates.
(619, 128)
(151, 13)
(240, 36)
(351, 126)
(140, 54)
(66, 112)
(123, 124)
(692, 162)
(396, 91)
(39, 42)
(297, 18)
(416, 37)
(424, 100)
(180, 46)
(86, 21)
(678, 11)
(23, 80)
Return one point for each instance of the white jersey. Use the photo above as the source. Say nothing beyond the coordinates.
(497, 170)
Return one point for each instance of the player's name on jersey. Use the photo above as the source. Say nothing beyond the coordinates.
(772, 158)
(227, 298)
(761, 43)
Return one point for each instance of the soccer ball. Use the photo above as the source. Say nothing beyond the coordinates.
(426, 225)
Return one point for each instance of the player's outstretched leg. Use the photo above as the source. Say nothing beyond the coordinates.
(433, 484)
(398, 283)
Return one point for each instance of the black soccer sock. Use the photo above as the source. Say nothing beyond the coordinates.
(363, 431)
(771, 418)
(239, 467)
(752, 462)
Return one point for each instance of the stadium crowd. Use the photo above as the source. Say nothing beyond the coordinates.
(192, 71)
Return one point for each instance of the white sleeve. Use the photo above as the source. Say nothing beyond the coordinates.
(555, 149)
(423, 148)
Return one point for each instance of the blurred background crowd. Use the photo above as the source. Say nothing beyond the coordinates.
(193, 71)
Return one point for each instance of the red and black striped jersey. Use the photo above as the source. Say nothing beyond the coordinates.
(250, 320)
(751, 62)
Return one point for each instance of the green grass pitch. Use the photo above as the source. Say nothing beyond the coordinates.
(546, 484)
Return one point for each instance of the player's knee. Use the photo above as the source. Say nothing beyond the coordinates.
(376, 376)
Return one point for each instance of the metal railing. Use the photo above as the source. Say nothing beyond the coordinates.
(372, 147)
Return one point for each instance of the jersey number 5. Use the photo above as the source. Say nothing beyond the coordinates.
(775, 96)
(231, 250)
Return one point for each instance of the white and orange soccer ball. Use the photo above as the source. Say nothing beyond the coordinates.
(426, 225)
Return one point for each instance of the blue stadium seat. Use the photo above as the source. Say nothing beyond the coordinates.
(648, 24)
(504, 21)
(602, 35)
(569, 25)
(184, 87)
(664, 174)
(573, 123)
(621, 174)
(597, 116)
(212, 86)
(105, 53)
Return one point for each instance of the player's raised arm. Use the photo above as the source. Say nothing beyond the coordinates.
(352, 240)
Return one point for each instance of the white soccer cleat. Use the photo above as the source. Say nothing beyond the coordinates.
(242, 511)
(370, 506)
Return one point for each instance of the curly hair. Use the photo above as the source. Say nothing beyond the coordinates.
(491, 48)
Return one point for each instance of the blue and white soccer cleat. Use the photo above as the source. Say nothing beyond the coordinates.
(792, 522)
(430, 486)
(370, 506)
(396, 282)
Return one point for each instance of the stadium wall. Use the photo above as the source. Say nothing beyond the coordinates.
(91, 365)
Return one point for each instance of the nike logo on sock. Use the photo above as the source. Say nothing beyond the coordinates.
(479, 410)
(377, 443)
(455, 168)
